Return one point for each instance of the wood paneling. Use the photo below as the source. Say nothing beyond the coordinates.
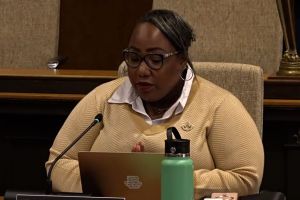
(52, 81)
(281, 125)
(277, 87)
(93, 33)
(33, 106)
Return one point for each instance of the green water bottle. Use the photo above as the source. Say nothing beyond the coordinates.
(177, 180)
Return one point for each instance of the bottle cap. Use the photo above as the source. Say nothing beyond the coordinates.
(178, 146)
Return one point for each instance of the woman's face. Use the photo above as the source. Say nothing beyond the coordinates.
(154, 84)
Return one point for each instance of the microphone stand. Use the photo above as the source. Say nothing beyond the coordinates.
(97, 119)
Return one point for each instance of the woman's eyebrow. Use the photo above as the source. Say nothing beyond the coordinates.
(151, 49)
(133, 48)
(155, 49)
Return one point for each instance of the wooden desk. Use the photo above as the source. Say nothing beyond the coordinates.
(288, 103)
(45, 90)
(52, 81)
(35, 103)
(281, 124)
(277, 87)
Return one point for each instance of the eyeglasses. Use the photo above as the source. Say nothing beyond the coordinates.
(153, 60)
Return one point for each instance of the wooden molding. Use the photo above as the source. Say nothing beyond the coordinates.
(282, 88)
(53, 81)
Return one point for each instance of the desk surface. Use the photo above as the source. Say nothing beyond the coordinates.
(262, 196)
(43, 82)
(282, 88)
(56, 73)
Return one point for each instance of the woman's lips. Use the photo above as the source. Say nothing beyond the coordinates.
(144, 87)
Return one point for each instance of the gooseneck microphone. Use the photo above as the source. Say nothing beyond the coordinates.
(97, 119)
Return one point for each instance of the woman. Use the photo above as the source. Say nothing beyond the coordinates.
(160, 91)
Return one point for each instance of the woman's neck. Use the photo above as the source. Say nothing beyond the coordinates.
(157, 109)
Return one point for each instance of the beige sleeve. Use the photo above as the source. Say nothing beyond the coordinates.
(65, 174)
(237, 150)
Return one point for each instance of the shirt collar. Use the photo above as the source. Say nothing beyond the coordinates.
(126, 94)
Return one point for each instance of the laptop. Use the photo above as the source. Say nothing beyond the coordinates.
(134, 176)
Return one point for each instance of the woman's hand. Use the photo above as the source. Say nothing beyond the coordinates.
(139, 147)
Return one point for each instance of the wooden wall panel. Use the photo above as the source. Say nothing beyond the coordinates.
(93, 33)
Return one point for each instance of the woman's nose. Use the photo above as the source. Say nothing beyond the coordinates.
(143, 69)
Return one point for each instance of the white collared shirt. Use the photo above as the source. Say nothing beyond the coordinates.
(126, 94)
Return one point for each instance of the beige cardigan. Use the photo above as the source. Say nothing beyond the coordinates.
(225, 145)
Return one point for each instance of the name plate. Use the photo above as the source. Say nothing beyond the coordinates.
(63, 197)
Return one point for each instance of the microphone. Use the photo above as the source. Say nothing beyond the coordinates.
(97, 119)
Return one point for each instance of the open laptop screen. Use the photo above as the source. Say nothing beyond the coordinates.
(134, 176)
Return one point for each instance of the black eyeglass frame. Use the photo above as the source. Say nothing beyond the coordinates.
(144, 56)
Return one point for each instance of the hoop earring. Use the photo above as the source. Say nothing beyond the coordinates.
(185, 79)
